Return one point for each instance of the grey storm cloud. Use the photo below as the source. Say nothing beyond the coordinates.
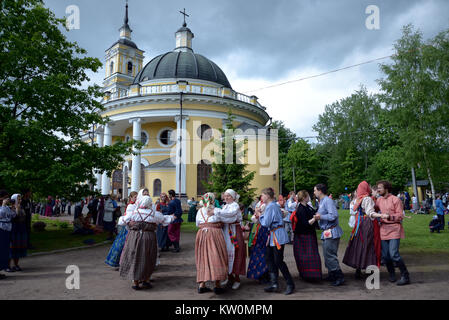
(277, 35)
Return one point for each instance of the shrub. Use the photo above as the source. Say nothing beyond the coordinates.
(39, 226)
(63, 225)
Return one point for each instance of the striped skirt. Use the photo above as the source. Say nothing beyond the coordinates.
(139, 254)
(307, 256)
(211, 256)
(257, 266)
(115, 252)
(360, 252)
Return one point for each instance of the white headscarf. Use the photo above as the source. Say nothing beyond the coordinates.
(144, 202)
(140, 194)
(233, 194)
(15, 196)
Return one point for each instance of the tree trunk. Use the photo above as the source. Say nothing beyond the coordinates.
(432, 187)
(415, 188)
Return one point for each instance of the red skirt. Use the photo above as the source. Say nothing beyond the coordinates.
(239, 266)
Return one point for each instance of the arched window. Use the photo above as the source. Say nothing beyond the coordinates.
(157, 187)
(144, 138)
(111, 67)
(204, 132)
(203, 172)
(165, 137)
(130, 68)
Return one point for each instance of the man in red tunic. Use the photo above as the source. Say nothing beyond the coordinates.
(391, 231)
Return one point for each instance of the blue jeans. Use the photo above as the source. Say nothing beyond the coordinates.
(390, 250)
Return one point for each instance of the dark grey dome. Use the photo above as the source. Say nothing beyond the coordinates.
(180, 64)
(127, 42)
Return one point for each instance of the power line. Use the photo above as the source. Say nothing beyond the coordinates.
(321, 74)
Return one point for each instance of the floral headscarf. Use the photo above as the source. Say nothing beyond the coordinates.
(208, 199)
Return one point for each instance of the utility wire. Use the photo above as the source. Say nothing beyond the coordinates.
(321, 74)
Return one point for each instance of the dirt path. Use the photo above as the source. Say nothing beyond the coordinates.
(44, 278)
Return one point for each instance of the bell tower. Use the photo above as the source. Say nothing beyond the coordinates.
(123, 62)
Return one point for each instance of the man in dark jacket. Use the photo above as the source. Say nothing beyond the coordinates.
(174, 228)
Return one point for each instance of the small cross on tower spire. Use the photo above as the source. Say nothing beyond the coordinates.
(185, 14)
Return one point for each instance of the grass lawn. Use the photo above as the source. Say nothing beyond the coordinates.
(57, 235)
(418, 239)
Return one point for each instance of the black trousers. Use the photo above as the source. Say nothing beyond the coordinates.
(275, 262)
(441, 218)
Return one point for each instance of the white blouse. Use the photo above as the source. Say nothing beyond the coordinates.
(129, 210)
(230, 213)
(367, 205)
(202, 217)
(148, 215)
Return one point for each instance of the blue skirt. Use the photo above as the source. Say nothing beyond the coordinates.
(113, 258)
(257, 266)
(19, 241)
(5, 240)
(162, 237)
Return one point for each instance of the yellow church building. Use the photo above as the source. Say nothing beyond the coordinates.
(175, 105)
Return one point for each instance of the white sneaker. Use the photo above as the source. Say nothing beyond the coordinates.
(224, 283)
(236, 285)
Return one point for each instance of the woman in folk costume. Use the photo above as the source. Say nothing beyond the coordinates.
(162, 231)
(305, 245)
(138, 258)
(211, 254)
(19, 234)
(257, 266)
(273, 220)
(361, 250)
(231, 216)
(115, 252)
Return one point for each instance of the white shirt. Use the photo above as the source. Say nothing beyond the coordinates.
(229, 213)
(148, 215)
(129, 210)
(202, 217)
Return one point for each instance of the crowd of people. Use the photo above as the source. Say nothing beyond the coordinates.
(225, 241)
(230, 242)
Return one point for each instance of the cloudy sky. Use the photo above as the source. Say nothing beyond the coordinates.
(258, 43)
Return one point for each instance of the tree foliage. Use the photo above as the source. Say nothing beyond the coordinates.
(227, 172)
(44, 110)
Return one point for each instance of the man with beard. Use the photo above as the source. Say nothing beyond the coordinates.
(391, 231)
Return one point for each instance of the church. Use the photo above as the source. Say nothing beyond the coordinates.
(175, 105)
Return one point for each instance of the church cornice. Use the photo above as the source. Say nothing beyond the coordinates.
(126, 102)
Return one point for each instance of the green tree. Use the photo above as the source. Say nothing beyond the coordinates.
(227, 172)
(389, 165)
(286, 139)
(44, 110)
(351, 130)
(304, 159)
(415, 91)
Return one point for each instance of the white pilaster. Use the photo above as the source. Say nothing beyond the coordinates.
(99, 142)
(137, 132)
(105, 180)
(181, 153)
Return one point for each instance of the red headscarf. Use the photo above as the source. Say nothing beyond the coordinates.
(363, 190)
